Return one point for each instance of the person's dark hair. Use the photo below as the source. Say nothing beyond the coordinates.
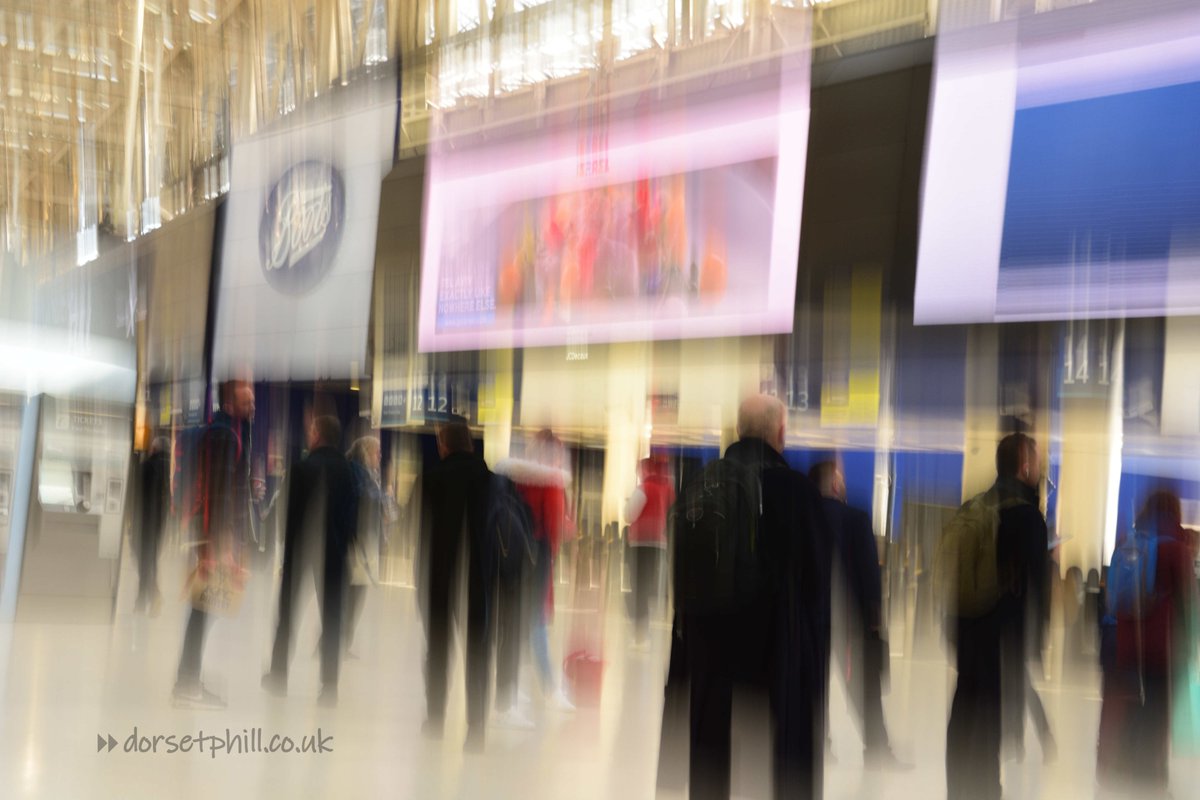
(821, 474)
(1162, 511)
(455, 435)
(1011, 450)
(329, 430)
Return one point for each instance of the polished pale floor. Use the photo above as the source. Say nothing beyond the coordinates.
(63, 684)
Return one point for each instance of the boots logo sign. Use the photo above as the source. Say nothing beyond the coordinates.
(302, 226)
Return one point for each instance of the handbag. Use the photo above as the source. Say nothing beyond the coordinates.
(217, 587)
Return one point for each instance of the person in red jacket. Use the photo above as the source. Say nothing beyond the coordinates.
(1150, 656)
(646, 513)
(542, 478)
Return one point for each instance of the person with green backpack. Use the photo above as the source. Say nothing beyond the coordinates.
(990, 562)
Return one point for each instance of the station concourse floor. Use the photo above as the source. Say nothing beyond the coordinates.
(64, 684)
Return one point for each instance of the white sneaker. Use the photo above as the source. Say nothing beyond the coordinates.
(559, 701)
(513, 719)
(194, 695)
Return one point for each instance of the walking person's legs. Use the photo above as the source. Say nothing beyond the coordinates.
(646, 577)
(356, 599)
(331, 624)
(974, 730)
(710, 710)
(281, 651)
(477, 658)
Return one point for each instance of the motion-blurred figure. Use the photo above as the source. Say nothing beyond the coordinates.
(513, 556)
(752, 587)
(646, 513)
(861, 651)
(1151, 600)
(321, 522)
(155, 503)
(542, 479)
(373, 509)
(220, 522)
(454, 508)
(1002, 536)
(1026, 571)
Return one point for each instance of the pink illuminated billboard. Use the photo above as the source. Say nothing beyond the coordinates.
(664, 210)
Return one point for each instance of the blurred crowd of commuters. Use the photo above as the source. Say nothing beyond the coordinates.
(806, 601)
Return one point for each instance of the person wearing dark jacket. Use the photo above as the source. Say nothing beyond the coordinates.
(1023, 558)
(541, 479)
(861, 650)
(373, 504)
(454, 516)
(776, 636)
(322, 520)
(155, 503)
(984, 643)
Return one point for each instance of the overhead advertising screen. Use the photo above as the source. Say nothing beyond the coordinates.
(1062, 175)
(298, 248)
(664, 206)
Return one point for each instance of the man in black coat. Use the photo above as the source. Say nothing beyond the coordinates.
(776, 636)
(973, 736)
(860, 648)
(454, 504)
(322, 520)
(1023, 557)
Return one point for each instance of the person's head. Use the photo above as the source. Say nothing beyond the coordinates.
(1017, 457)
(159, 445)
(829, 479)
(652, 467)
(324, 431)
(454, 436)
(1162, 512)
(366, 451)
(761, 416)
(547, 449)
(237, 399)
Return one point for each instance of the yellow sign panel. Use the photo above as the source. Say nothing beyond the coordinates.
(853, 321)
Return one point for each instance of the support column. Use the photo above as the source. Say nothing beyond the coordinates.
(1092, 426)
(981, 419)
(23, 494)
(626, 438)
(496, 405)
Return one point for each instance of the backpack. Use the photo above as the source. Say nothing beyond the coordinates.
(719, 558)
(509, 530)
(966, 572)
(1131, 576)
